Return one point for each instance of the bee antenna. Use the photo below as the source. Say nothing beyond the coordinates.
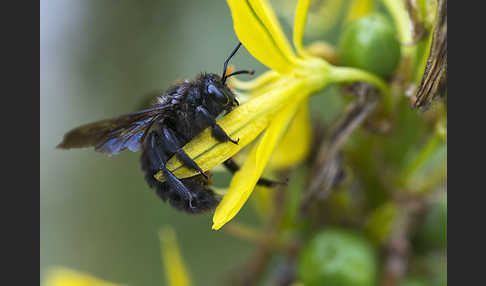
(223, 76)
(240, 72)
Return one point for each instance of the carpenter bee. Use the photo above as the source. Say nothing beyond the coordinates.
(172, 120)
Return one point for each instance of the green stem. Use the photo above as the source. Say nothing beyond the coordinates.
(435, 141)
(402, 21)
(257, 236)
(427, 152)
(403, 25)
(347, 74)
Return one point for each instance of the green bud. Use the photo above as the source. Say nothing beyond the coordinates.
(338, 257)
(370, 43)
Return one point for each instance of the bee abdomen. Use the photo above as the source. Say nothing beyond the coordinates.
(203, 198)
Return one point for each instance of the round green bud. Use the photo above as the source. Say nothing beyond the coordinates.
(338, 257)
(370, 43)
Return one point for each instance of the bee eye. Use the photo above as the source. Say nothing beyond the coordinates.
(218, 95)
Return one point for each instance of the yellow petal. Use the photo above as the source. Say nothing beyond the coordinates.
(299, 25)
(262, 198)
(60, 276)
(258, 29)
(175, 270)
(263, 79)
(266, 14)
(245, 122)
(271, 84)
(262, 201)
(245, 179)
(295, 144)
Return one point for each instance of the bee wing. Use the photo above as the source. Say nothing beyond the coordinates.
(111, 136)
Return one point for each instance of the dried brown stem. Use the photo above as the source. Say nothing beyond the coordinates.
(327, 167)
(251, 271)
(398, 247)
(433, 80)
(419, 31)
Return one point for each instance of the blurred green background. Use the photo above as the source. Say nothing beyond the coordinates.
(100, 59)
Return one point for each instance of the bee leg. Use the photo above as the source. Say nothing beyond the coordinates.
(217, 131)
(157, 153)
(176, 184)
(173, 145)
(233, 167)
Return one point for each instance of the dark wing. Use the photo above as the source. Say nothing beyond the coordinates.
(111, 136)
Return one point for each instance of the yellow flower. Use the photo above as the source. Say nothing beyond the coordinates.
(277, 104)
(176, 272)
(60, 276)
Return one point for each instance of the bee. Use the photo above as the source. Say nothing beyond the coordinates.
(160, 131)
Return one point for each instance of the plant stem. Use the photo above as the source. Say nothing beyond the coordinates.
(402, 21)
(348, 74)
(421, 159)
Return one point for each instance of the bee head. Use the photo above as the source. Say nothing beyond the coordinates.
(217, 85)
(219, 92)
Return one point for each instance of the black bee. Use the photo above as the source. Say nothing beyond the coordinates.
(173, 119)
